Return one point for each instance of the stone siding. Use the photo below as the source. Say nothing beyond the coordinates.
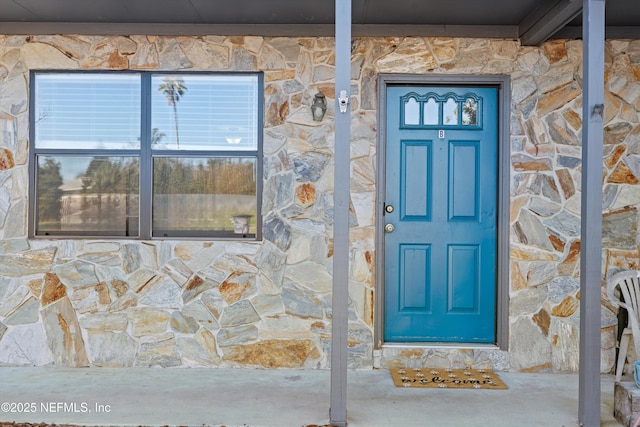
(268, 304)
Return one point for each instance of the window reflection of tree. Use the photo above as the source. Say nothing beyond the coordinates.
(469, 112)
(49, 194)
(173, 89)
(201, 193)
(107, 185)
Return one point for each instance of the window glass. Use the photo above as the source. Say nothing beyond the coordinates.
(470, 112)
(89, 195)
(204, 194)
(450, 113)
(411, 112)
(431, 112)
(204, 112)
(99, 138)
(88, 111)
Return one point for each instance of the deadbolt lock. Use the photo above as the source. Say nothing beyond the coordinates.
(388, 208)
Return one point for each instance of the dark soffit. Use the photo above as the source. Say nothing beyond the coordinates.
(533, 21)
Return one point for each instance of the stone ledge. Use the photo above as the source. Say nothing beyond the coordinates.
(626, 406)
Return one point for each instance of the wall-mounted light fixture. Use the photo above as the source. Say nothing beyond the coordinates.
(319, 107)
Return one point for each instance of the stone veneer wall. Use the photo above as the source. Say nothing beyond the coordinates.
(267, 304)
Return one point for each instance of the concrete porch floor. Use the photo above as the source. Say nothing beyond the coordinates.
(239, 397)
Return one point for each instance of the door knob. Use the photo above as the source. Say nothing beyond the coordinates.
(389, 228)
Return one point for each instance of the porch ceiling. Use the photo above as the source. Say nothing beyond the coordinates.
(532, 21)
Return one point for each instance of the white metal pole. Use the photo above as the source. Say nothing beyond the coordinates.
(591, 211)
(341, 198)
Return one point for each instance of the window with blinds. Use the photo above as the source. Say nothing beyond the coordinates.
(145, 155)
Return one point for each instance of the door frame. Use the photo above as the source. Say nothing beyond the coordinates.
(503, 85)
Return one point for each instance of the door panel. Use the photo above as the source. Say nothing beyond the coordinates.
(441, 176)
(414, 267)
(416, 185)
(463, 278)
(463, 182)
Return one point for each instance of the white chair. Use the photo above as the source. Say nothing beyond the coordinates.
(628, 282)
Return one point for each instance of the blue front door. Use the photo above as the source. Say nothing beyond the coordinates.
(440, 214)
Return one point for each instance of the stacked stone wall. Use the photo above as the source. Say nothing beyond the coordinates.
(268, 304)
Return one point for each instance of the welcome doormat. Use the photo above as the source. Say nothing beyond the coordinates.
(447, 378)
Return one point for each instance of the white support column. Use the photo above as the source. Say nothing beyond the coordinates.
(341, 199)
(591, 211)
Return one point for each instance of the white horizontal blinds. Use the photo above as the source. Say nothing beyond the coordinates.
(205, 112)
(87, 110)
